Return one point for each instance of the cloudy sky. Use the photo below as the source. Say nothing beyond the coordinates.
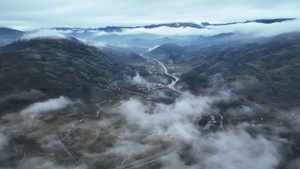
(99, 13)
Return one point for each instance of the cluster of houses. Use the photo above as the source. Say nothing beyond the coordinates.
(151, 87)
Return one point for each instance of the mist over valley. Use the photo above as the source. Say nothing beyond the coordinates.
(162, 94)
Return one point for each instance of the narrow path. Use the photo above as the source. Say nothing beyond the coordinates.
(65, 136)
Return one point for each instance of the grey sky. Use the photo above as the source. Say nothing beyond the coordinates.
(98, 13)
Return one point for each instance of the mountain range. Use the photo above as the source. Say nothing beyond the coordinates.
(149, 36)
(74, 102)
(269, 71)
(110, 29)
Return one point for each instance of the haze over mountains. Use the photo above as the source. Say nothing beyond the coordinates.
(181, 33)
(110, 29)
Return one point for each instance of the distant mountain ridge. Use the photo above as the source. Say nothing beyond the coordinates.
(8, 35)
(182, 33)
(109, 29)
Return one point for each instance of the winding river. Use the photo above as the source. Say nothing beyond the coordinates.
(171, 85)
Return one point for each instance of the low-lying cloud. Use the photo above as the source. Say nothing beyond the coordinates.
(143, 128)
(253, 29)
(48, 105)
(235, 150)
(138, 80)
(230, 149)
(175, 120)
(257, 29)
(45, 33)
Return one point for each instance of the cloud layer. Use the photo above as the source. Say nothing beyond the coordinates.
(233, 149)
(150, 127)
(254, 29)
(44, 33)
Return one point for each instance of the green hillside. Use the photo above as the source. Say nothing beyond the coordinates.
(168, 53)
(269, 72)
(57, 67)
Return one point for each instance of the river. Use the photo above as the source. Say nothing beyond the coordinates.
(171, 85)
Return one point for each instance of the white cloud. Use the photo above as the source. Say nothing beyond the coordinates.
(249, 29)
(173, 119)
(148, 123)
(44, 33)
(48, 105)
(257, 29)
(236, 150)
(167, 31)
(126, 148)
(138, 80)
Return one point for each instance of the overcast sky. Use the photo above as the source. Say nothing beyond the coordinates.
(99, 13)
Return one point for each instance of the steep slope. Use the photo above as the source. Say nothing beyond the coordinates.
(60, 67)
(269, 72)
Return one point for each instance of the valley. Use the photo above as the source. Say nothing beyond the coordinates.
(69, 130)
(67, 104)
